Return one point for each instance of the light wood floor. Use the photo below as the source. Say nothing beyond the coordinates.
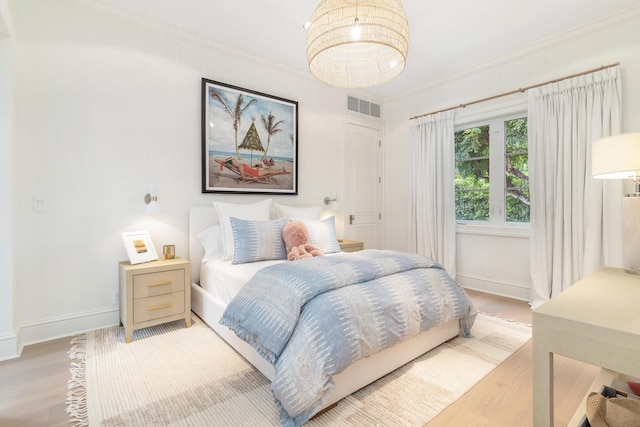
(33, 388)
(505, 396)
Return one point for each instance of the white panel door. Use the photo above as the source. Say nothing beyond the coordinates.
(363, 181)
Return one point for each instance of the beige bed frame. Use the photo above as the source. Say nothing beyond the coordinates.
(358, 375)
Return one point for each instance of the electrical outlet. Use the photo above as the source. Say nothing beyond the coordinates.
(116, 297)
(38, 204)
(489, 272)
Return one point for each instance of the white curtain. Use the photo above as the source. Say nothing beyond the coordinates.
(432, 202)
(575, 219)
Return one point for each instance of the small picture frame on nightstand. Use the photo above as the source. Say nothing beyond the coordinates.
(139, 247)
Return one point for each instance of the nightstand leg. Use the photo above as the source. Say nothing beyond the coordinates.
(188, 322)
(127, 339)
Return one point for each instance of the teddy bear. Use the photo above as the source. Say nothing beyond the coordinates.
(296, 238)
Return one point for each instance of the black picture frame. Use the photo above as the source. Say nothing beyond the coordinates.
(249, 141)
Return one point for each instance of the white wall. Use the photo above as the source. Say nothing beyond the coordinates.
(8, 338)
(105, 104)
(609, 41)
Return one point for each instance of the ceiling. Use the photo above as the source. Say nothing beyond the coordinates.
(446, 36)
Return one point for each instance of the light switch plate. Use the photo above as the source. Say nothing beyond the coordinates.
(38, 204)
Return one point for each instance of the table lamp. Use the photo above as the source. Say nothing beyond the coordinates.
(618, 157)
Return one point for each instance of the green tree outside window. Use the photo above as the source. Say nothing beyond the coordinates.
(473, 180)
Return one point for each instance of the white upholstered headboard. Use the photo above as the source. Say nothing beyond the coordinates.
(200, 218)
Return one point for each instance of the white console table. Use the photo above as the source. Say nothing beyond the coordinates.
(596, 321)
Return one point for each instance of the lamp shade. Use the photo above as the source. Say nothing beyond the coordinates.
(353, 43)
(616, 157)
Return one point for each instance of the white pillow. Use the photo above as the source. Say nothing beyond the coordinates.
(298, 212)
(260, 211)
(323, 234)
(212, 242)
(257, 240)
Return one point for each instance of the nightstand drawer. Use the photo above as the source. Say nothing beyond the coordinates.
(159, 306)
(152, 284)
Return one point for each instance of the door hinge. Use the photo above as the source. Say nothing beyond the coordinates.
(379, 216)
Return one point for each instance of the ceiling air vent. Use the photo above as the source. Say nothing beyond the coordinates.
(363, 107)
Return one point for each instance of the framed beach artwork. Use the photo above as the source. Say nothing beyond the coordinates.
(249, 141)
(139, 247)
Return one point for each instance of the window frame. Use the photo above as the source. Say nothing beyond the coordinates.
(497, 224)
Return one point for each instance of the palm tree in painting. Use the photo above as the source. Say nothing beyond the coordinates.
(234, 111)
(272, 127)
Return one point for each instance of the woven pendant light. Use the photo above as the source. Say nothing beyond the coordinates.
(357, 43)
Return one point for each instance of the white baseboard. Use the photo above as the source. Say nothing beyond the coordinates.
(54, 328)
(49, 329)
(9, 347)
(494, 286)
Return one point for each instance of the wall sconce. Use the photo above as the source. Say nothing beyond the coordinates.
(333, 201)
(618, 157)
(151, 199)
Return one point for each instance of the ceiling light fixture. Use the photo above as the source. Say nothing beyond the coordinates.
(357, 43)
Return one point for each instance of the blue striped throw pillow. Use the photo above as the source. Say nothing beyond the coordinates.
(257, 240)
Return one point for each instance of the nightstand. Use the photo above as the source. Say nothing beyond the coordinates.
(153, 293)
(350, 245)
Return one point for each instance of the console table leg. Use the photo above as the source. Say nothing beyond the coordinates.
(542, 385)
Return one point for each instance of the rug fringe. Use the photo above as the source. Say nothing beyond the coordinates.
(506, 319)
(77, 394)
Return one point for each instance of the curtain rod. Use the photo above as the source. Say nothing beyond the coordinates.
(524, 89)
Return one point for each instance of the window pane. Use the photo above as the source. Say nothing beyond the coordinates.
(518, 205)
(472, 205)
(516, 171)
(472, 174)
(516, 135)
(473, 142)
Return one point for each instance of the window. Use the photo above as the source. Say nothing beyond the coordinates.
(492, 173)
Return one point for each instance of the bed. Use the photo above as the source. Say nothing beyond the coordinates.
(210, 306)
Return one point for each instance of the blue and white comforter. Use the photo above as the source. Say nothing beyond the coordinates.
(312, 318)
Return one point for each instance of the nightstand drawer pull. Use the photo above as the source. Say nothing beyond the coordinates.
(159, 283)
(166, 282)
(159, 307)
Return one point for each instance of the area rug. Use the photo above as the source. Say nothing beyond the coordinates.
(172, 375)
